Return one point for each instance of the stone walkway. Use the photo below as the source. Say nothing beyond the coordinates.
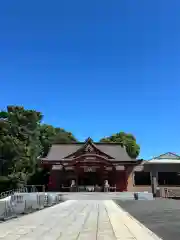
(76, 220)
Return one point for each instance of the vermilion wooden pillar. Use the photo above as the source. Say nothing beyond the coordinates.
(52, 182)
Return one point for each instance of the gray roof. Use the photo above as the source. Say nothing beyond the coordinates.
(165, 158)
(168, 155)
(60, 151)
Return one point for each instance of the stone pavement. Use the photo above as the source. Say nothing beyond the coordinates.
(77, 220)
(162, 216)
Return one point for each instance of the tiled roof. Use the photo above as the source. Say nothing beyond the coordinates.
(168, 157)
(60, 151)
(161, 161)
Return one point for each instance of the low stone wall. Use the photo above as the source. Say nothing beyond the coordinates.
(140, 189)
(170, 192)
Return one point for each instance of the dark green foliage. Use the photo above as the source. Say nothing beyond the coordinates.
(22, 140)
(19, 142)
(127, 140)
(46, 138)
(50, 135)
(63, 137)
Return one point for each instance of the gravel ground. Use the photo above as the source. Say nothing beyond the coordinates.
(160, 216)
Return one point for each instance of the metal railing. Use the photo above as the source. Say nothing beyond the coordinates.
(23, 202)
(26, 188)
(84, 188)
(11, 192)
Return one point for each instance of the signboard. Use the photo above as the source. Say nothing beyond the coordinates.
(56, 167)
(120, 168)
(90, 169)
(69, 168)
(109, 168)
(139, 168)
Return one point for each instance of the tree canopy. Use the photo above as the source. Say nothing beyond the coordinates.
(50, 135)
(23, 139)
(125, 139)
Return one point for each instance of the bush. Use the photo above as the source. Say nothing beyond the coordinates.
(6, 184)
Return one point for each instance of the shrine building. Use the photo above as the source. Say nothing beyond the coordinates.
(89, 164)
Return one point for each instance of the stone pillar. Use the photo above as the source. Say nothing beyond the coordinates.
(154, 181)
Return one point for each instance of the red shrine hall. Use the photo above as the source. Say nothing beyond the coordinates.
(88, 164)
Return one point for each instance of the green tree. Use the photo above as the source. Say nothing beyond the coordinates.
(23, 139)
(50, 135)
(47, 134)
(63, 136)
(125, 139)
(19, 142)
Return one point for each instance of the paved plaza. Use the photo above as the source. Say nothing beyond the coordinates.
(160, 216)
(76, 220)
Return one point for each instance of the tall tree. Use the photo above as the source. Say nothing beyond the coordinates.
(50, 135)
(19, 141)
(47, 134)
(63, 136)
(22, 140)
(125, 139)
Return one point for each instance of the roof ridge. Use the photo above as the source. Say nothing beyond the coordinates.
(96, 143)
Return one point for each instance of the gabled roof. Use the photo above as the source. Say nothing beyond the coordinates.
(168, 157)
(60, 152)
(90, 147)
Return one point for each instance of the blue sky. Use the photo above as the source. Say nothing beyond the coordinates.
(96, 67)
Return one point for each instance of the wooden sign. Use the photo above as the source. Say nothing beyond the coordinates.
(56, 167)
(108, 168)
(69, 168)
(90, 169)
(120, 168)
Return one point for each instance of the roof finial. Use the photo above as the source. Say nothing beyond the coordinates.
(89, 139)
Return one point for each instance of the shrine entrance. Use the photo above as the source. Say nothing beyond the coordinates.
(93, 175)
(89, 179)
